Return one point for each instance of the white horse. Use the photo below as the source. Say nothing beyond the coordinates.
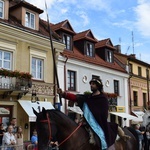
(146, 119)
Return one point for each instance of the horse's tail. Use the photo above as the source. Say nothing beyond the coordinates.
(132, 130)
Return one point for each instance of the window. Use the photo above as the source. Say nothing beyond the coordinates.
(130, 68)
(139, 71)
(147, 73)
(37, 68)
(71, 80)
(1, 9)
(116, 87)
(144, 100)
(95, 77)
(30, 20)
(135, 98)
(67, 40)
(90, 49)
(5, 60)
(109, 56)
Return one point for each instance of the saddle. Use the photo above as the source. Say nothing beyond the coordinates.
(93, 138)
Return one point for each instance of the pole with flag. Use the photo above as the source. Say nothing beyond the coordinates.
(53, 51)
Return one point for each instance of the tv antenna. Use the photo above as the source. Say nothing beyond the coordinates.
(127, 49)
(133, 41)
(120, 41)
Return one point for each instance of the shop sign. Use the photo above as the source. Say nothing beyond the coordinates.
(4, 111)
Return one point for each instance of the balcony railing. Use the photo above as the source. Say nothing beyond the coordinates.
(13, 83)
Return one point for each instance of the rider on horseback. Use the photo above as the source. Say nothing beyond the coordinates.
(95, 111)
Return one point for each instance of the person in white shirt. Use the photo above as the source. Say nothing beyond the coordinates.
(9, 138)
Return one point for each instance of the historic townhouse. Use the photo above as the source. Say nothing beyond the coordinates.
(139, 86)
(138, 83)
(85, 57)
(25, 50)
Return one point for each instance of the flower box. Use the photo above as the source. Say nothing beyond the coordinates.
(17, 74)
(14, 79)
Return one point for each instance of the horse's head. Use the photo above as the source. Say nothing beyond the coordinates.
(54, 123)
(146, 118)
(46, 128)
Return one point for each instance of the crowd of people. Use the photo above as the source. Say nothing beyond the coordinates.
(144, 137)
(12, 136)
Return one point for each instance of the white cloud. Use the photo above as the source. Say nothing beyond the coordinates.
(84, 17)
(125, 24)
(143, 20)
(63, 11)
(40, 4)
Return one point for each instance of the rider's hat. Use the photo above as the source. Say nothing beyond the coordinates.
(97, 81)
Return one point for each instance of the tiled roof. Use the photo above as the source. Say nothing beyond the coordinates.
(14, 5)
(13, 21)
(84, 35)
(76, 54)
(61, 25)
(121, 57)
(104, 43)
(44, 28)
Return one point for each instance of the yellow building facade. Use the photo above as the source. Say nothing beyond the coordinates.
(26, 50)
(139, 84)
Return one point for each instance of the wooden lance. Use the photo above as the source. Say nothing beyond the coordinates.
(53, 52)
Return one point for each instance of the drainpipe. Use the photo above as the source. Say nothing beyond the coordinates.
(147, 75)
(130, 103)
(129, 84)
(66, 112)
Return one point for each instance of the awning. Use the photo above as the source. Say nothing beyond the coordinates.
(139, 115)
(124, 115)
(76, 109)
(27, 106)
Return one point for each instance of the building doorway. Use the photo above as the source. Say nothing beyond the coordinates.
(5, 114)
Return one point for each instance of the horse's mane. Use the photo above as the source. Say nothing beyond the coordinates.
(57, 114)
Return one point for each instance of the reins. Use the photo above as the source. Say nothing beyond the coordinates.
(70, 134)
(50, 130)
(49, 125)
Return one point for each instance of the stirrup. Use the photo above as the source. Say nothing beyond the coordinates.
(91, 136)
(92, 140)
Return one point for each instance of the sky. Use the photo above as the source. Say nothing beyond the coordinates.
(125, 22)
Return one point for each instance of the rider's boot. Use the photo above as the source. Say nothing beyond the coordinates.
(122, 134)
(91, 135)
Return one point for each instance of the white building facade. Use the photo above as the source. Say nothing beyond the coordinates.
(84, 72)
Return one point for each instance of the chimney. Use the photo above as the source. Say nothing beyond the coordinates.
(118, 48)
(132, 55)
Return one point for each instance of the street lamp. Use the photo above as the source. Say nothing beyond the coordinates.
(34, 97)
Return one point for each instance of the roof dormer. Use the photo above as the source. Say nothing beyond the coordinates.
(105, 50)
(4, 7)
(85, 42)
(27, 14)
(66, 32)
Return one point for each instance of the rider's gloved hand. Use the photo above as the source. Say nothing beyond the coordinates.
(60, 92)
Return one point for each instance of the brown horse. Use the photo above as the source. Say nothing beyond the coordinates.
(70, 136)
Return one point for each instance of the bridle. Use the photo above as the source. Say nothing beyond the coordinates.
(50, 130)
